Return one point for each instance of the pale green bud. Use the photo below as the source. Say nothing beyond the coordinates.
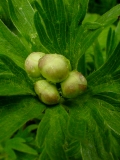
(74, 85)
(54, 67)
(31, 64)
(47, 92)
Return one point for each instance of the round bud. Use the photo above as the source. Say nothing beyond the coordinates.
(47, 92)
(31, 64)
(74, 85)
(54, 67)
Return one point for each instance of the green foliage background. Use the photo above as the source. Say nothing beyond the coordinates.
(84, 128)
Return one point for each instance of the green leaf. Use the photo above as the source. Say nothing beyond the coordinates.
(93, 121)
(10, 85)
(10, 45)
(18, 144)
(3, 68)
(10, 153)
(110, 116)
(108, 68)
(15, 111)
(51, 25)
(110, 16)
(109, 98)
(78, 119)
(73, 148)
(112, 86)
(82, 65)
(83, 4)
(115, 145)
(98, 55)
(44, 38)
(22, 14)
(111, 42)
(27, 132)
(116, 75)
(5, 16)
(76, 13)
(55, 27)
(44, 155)
(14, 68)
(86, 35)
(51, 133)
(15, 82)
(92, 131)
(117, 31)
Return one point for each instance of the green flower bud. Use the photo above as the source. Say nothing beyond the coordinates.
(31, 64)
(74, 85)
(47, 92)
(54, 67)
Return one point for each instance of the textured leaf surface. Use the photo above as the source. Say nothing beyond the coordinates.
(94, 121)
(85, 37)
(58, 27)
(16, 81)
(15, 111)
(90, 130)
(51, 25)
(111, 42)
(44, 155)
(56, 23)
(11, 46)
(22, 13)
(51, 133)
(18, 144)
(110, 16)
(108, 68)
(87, 34)
(98, 55)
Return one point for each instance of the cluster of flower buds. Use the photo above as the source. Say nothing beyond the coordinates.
(55, 68)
